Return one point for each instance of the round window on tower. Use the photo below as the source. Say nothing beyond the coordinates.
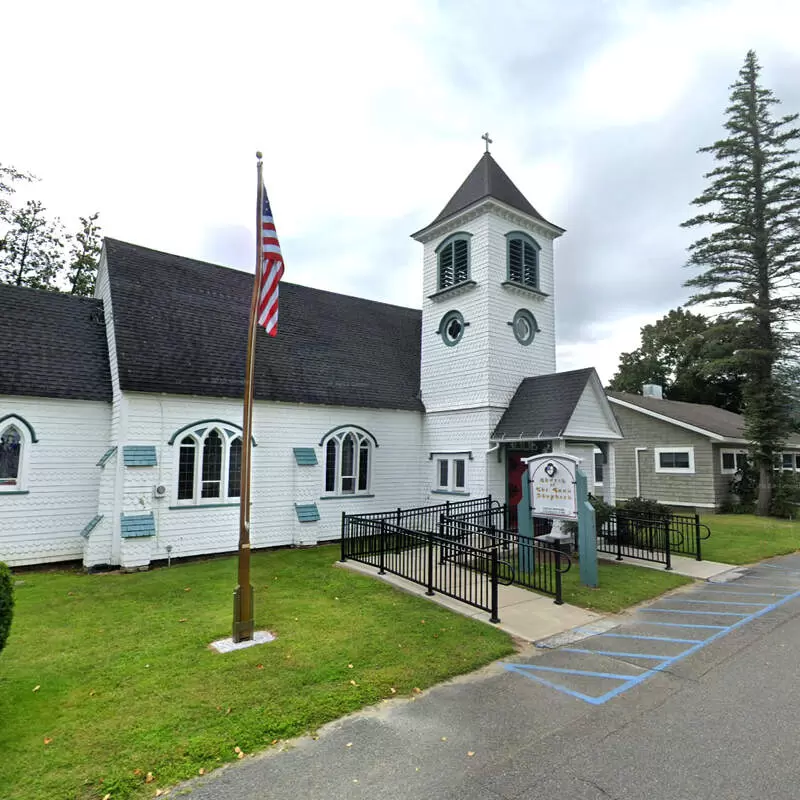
(524, 326)
(451, 328)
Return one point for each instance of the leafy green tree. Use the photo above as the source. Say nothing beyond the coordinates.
(749, 254)
(33, 248)
(693, 358)
(8, 177)
(84, 254)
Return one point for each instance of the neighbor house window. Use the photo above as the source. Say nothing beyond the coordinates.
(209, 466)
(523, 260)
(348, 460)
(453, 260)
(788, 461)
(11, 444)
(678, 460)
(733, 461)
(451, 474)
(598, 466)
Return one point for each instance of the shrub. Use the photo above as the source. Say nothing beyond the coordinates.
(785, 495)
(744, 486)
(6, 603)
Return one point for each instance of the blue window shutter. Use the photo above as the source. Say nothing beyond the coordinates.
(135, 525)
(90, 526)
(307, 512)
(305, 456)
(139, 455)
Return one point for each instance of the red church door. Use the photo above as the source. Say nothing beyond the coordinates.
(516, 472)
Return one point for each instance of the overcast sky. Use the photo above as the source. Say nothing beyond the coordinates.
(370, 115)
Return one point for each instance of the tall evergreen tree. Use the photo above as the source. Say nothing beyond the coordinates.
(84, 253)
(32, 251)
(750, 258)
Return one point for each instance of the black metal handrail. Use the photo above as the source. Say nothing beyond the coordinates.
(472, 577)
(538, 566)
(680, 534)
(426, 518)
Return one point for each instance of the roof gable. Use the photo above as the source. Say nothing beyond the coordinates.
(181, 328)
(717, 423)
(486, 180)
(52, 345)
(543, 406)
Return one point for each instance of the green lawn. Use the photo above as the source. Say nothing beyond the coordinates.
(621, 585)
(744, 538)
(107, 678)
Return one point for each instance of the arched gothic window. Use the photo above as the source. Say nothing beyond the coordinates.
(209, 466)
(11, 444)
(348, 460)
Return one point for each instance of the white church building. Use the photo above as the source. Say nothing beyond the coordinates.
(121, 415)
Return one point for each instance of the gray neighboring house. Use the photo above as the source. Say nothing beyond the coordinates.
(681, 454)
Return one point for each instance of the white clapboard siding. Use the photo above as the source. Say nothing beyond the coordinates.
(61, 479)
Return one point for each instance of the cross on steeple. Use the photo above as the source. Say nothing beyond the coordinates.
(486, 139)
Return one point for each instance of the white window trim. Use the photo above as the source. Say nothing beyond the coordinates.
(450, 487)
(197, 499)
(657, 451)
(596, 451)
(360, 438)
(735, 452)
(793, 454)
(21, 485)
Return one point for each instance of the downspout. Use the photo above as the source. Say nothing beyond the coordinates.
(492, 449)
(636, 451)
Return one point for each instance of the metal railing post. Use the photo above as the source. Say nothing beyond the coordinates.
(697, 535)
(397, 532)
(343, 555)
(666, 545)
(382, 562)
(443, 550)
(619, 537)
(429, 592)
(495, 604)
(559, 598)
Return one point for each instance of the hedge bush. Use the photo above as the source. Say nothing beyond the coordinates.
(6, 603)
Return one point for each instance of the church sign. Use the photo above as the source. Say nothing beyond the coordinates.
(552, 486)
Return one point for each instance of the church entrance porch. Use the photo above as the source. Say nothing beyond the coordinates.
(516, 469)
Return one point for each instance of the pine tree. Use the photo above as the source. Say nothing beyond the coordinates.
(750, 259)
(84, 254)
(32, 251)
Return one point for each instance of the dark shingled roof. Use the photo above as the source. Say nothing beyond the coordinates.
(52, 345)
(487, 179)
(181, 327)
(542, 406)
(709, 418)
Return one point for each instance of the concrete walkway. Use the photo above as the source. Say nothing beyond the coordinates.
(523, 614)
(681, 565)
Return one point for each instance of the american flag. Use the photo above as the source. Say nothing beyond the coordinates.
(271, 268)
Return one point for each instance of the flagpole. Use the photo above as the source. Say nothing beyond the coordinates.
(243, 624)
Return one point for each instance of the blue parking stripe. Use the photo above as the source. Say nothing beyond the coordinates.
(586, 673)
(687, 625)
(653, 638)
(630, 682)
(790, 589)
(681, 611)
(716, 602)
(612, 653)
(557, 686)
